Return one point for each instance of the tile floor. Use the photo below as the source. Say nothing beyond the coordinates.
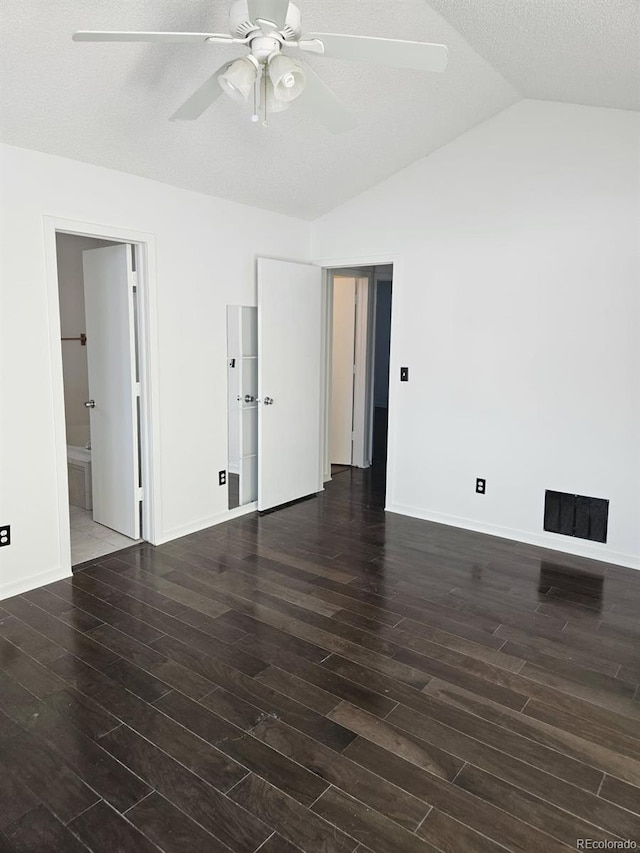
(90, 540)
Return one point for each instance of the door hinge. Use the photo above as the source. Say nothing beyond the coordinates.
(354, 369)
(134, 280)
(137, 389)
(140, 494)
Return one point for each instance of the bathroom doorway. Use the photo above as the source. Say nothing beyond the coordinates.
(98, 304)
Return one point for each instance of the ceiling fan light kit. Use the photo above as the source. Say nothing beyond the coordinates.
(240, 78)
(287, 76)
(266, 28)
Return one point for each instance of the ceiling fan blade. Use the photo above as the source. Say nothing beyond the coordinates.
(269, 10)
(201, 99)
(326, 107)
(152, 37)
(417, 55)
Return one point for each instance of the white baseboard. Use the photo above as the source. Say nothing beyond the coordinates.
(203, 523)
(591, 550)
(33, 582)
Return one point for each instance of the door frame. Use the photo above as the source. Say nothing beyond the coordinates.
(355, 265)
(147, 336)
(364, 336)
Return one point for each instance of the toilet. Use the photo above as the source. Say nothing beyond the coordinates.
(79, 471)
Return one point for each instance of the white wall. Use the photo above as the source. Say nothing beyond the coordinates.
(516, 306)
(206, 251)
(72, 324)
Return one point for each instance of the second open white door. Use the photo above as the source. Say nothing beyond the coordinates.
(108, 294)
(289, 381)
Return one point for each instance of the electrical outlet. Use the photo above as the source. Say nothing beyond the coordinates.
(404, 374)
(222, 478)
(5, 535)
(481, 486)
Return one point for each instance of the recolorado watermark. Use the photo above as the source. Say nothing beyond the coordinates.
(594, 844)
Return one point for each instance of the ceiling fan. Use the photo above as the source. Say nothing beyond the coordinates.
(274, 79)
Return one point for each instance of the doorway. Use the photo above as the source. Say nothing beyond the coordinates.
(99, 310)
(358, 361)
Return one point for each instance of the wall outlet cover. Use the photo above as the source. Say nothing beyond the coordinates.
(222, 478)
(481, 486)
(5, 535)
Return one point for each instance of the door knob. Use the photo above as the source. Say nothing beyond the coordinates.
(247, 398)
(269, 401)
(90, 404)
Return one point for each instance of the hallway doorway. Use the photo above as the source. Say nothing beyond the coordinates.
(358, 360)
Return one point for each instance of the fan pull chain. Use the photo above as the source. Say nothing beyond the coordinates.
(265, 123)
(256, 92)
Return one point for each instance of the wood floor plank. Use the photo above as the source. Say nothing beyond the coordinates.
(320, 677)
(299, 689)
(136, 680)
(366, 825)
(540, 813)
(327, 678)
(36, 765)
(29, 640)
(99, 579)
(437, 719)
(199, 629)
(451, 836)
(514, 832)
(118, 618)
(18, 703)
(59, 632)
(151, 661)
(414, 749)
(344, 774)
(577, 743)
(168, 827)
(68, 612)
(278, 844)
(103, 830)
(15, 798)
(222, 817)
(181, 744)
(97, 769)
(80, 711)
(233, 709)
(27, 671)
(39, 831)
(296, 824)
(575, 800)
(254, 692)
(621, 793)
(248, 751)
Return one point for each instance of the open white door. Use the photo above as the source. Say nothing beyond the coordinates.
(289, 374)
(108, 294)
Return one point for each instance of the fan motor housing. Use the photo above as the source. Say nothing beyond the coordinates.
(241, 25)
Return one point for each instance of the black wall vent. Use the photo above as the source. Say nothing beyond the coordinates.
(576, 515)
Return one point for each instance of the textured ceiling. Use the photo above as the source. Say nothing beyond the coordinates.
(109, 104)
(577, 51)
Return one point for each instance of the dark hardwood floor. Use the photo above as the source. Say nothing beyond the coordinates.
(325, 679)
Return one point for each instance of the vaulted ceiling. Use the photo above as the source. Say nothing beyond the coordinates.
(577, 51)
(109, 104)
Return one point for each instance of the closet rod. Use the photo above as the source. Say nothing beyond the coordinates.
(82, 339)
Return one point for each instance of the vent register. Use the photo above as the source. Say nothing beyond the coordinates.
(576, 515)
